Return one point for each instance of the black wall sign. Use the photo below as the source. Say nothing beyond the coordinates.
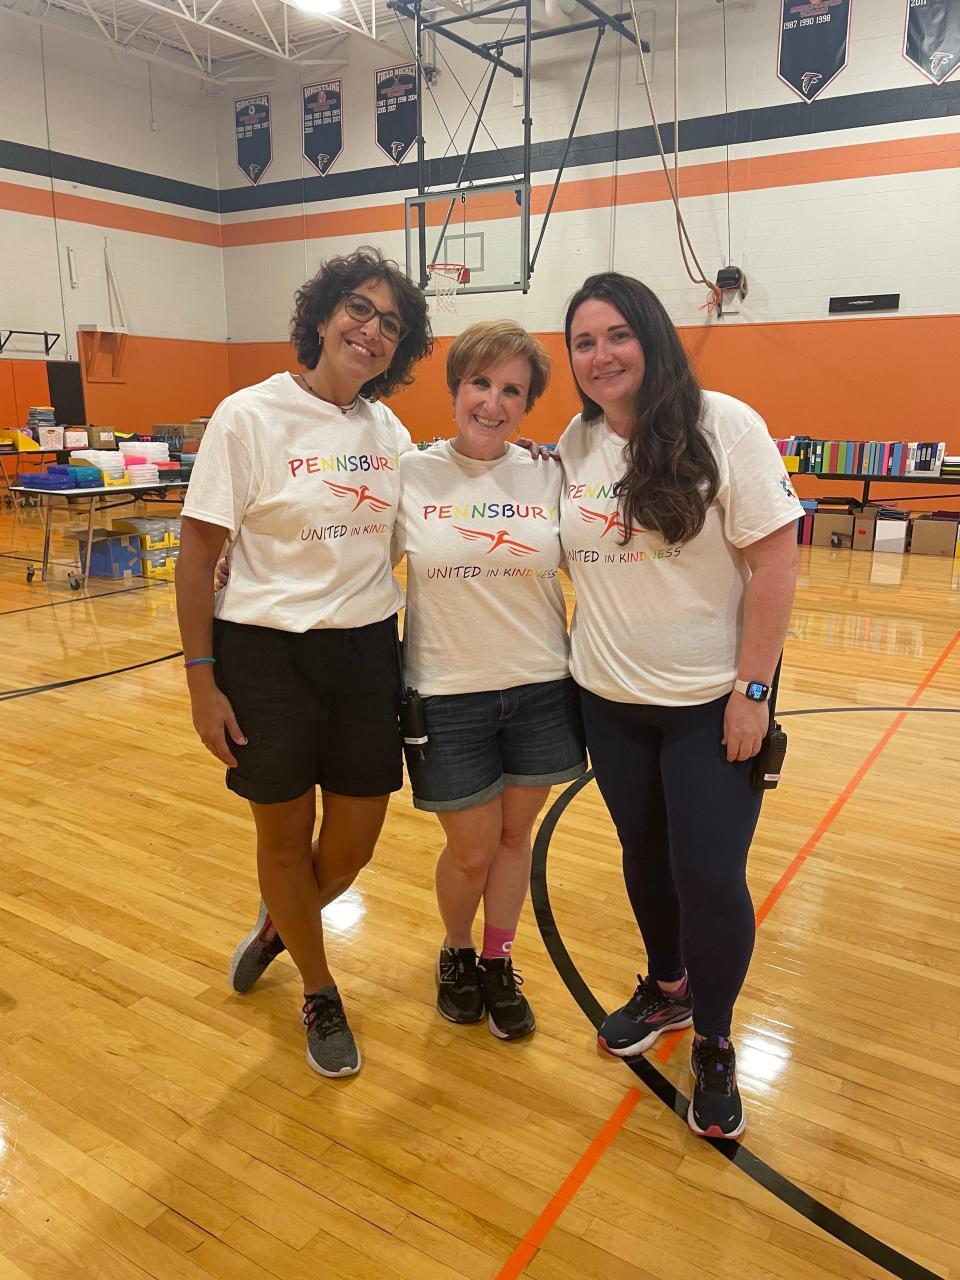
(396, 106)
(322, 123)
(813, 44)
(932, 41)
(254, 144)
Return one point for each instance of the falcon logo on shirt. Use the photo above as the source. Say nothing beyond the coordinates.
(362, 495)
(499, 539)
(611, 521)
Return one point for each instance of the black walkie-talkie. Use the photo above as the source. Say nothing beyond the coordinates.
(768, 762)
(413, 720)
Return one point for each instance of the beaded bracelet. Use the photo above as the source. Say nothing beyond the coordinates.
(199, 662)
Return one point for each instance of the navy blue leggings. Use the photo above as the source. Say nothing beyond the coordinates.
(685, 819)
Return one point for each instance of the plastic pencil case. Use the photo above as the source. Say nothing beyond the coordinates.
(42, 481)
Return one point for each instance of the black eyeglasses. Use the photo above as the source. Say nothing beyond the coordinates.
(362, 309)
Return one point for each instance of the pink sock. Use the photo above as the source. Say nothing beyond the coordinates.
(680, 992)
(497, 943)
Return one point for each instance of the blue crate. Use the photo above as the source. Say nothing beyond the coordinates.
(117, 557)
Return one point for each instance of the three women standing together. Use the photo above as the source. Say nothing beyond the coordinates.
(674, 517)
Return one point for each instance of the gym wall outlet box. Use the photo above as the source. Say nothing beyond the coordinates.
(865, 302)
(828, 523)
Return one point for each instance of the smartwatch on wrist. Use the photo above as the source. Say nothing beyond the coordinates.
(755, 690)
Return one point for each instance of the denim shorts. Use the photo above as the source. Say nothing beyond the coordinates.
(527, 736)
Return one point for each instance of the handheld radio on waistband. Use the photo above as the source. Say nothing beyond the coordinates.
(413, 720)
(768, 762)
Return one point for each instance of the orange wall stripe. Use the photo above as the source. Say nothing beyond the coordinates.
(574, 1180)
(532, 1241)
(101, 213)
(800, 168)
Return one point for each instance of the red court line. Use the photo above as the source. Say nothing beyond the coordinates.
(532, 1241)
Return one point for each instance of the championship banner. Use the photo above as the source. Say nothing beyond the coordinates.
(814, 37)
(932, 40)
(254, 142)
(396, 99)
(322, 123)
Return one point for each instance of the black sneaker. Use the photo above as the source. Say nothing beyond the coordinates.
(459, 997)
(715, 1109)
(509, 1016)
(253, 953)
(647, 1015)
(331, 1048)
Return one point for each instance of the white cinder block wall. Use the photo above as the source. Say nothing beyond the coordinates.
(79, 98)
(864, 227)
(799, 243)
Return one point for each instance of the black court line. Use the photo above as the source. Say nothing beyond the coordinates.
(100, 675)
(78, 599)
(764, 1175)
(831, 711)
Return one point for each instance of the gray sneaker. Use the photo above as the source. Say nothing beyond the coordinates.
(253, 953)
(331, 1048)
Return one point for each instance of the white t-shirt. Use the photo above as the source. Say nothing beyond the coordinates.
(482, 540)
(656, 623)
(309, 496)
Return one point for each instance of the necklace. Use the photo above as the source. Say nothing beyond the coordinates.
(344, 408)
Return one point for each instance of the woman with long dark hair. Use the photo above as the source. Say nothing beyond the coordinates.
(294, 674)
(678, 523)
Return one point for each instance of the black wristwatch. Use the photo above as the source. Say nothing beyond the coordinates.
(755, 690)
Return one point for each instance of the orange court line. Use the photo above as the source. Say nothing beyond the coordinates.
(532, 1241)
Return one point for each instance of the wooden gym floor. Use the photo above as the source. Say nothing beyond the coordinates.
(153, 1124)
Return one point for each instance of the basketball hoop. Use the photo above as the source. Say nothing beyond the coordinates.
(445, 279)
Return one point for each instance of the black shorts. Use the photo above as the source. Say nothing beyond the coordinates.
(318, 709)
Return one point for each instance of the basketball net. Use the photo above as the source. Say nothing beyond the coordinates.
(444, 279)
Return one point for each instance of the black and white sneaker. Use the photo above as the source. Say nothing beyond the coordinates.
(509, 1015)
(715, 1109)
(459, 997)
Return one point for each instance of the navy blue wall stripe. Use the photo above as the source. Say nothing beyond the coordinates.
(761, 124)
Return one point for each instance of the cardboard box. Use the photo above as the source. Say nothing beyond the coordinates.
(864, 530)
(102, 437)
(933, 537)
(891, 535)
(826, 524)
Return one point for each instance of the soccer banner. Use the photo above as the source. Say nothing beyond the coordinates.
(322, 123)
(396, 107)
(814, 39)
(254, 143)
(932, 40)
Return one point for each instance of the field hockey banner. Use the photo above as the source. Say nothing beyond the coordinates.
(254, 140)
(814, 40)
(322, 123)
(932, 41)
(396, 106)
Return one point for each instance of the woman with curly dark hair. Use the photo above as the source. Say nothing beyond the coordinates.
(293, 673)
(678, 522)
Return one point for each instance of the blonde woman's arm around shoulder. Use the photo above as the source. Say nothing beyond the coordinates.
(766, 616)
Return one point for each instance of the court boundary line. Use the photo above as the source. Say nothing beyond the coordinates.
(11, 694)
(81, 599)
(846, 1232)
